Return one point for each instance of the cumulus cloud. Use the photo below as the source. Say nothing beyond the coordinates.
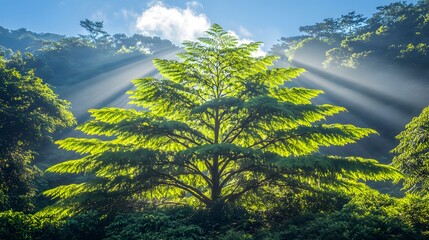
(244, 32)
(179, 24)
(173, 23)
(194, 4)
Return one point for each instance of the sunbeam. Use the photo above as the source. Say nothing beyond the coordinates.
(105, 90)
(377, 97)
(163, 119)
(108, 89)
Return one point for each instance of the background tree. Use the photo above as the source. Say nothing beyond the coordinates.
(396, 34)
(29, 114)
(220, 126)
(333, 28)
(413, 153)
(95, 30)
(351, 22)
(24, 40)
(327, 29)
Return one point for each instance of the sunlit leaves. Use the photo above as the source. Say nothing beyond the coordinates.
(83, 165)
(296, 95)
(413, 152)
(220, 124)
(353, 167)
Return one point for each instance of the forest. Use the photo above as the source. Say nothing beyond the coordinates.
(314, 140)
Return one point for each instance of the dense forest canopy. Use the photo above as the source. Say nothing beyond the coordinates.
(30, 113)
(218, 143)
(24, 40)
(60, 60)
(396, 33)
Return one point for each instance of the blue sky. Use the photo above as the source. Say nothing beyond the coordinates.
(256, 20)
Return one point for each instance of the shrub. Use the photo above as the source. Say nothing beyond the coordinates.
(154, 225)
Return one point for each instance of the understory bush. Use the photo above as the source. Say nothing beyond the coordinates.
(366, 216)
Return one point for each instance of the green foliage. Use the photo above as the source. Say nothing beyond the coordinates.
(396, 33)
(332, 28)
(20, 226)
(95, 30)
(152, 225)
(219, 125)
(325, 29)
(74, 58)
(367, 216)
(60, 60)
(413, 153)
(319, 39)
(351, 22)
(86, 226)
(413, 210)
(236, 235)
(30, 113)
(24, 40)
(15, 225)
(286, 206)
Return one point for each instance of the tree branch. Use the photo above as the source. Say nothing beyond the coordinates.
(192, 190)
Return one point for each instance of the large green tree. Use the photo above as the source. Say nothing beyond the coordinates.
(218, 126)
(413, 152)
(30, 112)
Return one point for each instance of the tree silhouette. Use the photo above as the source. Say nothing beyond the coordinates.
(95, 30)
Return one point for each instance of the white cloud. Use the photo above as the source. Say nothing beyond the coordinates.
(179, 24)
(173, 23)
(244, 32)
(194, 4)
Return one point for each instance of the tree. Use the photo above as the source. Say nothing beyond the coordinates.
(413, 153)
(329, 28)
(95, 30)
(219, 126)
(389, 15)
(30, 112)
(396, 34)
(351, 22)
